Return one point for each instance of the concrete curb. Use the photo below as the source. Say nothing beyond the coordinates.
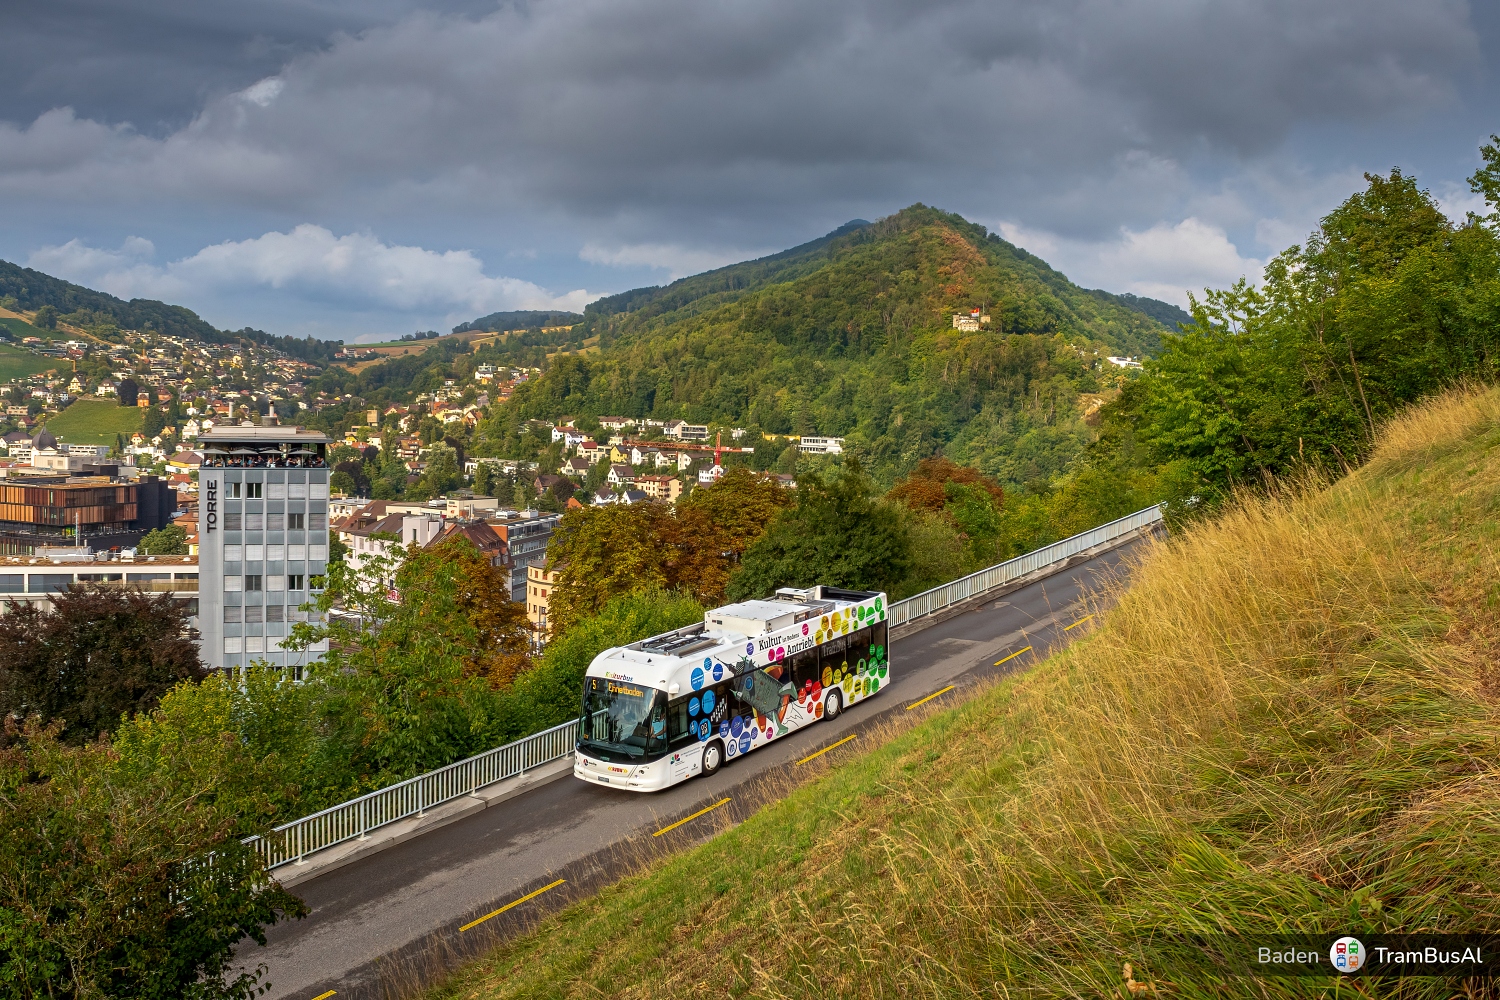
(980, 600)
(335, 857)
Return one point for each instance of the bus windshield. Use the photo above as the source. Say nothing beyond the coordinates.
(622, 720)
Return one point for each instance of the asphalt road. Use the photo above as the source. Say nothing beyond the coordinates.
(387, 922)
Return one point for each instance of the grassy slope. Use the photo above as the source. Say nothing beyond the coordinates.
(16, 362)
(1288, 723)
(95, 421)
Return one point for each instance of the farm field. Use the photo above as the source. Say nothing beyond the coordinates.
(95, 421)
(18, 363)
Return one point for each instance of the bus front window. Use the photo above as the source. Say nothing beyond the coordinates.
(621, 720)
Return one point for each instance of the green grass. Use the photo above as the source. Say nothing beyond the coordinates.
(95, 421)
(1287, 724)
(16, 362)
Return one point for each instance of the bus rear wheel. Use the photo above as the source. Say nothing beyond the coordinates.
(713, 757)
(834, 704)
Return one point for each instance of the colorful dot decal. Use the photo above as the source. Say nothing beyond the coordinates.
(718, 671)
(708, 702)
(697, 678)
(736, 726)
(692, 706)
(744, 743)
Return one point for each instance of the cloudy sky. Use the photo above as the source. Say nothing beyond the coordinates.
(358, 168)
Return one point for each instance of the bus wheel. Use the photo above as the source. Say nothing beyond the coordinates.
(834, 705)
(713, 757)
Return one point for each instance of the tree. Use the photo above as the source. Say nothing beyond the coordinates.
(342, 483)
(106, 889)
(170, 540)
(152, 421)
(484, 480)
(836, 533)
(496, 627)
(97, 653)
(442, 473)
(127, 392)
(45, 318)
(716, 524)
(604, 552)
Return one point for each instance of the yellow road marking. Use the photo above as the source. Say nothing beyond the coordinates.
(325, 996)
(1012, 656)
(517, 902)
(1078, 622)
(829, 747)
(689, 819)
(934, 694)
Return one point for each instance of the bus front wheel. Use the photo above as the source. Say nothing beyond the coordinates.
(713, 757)
(834, 704)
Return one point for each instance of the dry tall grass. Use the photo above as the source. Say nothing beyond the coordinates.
(1287, 723)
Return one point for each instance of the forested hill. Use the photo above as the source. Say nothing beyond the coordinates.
(852, 335)
(33, 289)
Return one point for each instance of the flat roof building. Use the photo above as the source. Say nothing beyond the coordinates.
(263, 541)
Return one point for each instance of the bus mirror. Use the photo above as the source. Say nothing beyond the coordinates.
(672, 690)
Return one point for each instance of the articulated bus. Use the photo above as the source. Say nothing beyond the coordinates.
(661, 710)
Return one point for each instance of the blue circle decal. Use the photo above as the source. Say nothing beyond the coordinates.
(708, 702)
(744, 743)
(693, 706)
(736, 726)
(703, 730)
(749, 649)
(724, 729)
(718, 671)
(697, 678)
(731, 749)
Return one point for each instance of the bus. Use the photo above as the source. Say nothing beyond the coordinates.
(659, 711)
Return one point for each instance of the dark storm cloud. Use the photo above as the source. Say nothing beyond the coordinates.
(654, 114)
(1133, 135)
(154, 63)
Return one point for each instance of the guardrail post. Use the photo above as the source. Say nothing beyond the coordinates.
(421, 800)
(364, 819)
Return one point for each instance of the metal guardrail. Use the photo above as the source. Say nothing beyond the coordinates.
(353, 820)
(292, 842)
(938, 598)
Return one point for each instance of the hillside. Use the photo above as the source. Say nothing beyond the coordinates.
(852, 335)
(1288, 724)
(519, 319)
(85, 307)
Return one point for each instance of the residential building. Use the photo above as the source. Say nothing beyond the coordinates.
(263, 541)
(577, 467)
(539, 585)
(620, 474)
(821, 446)
(34, 579)
(660, 487)
(470, 508)
(1124, 362)
(616, 423)
(525, 534)
(681, 430)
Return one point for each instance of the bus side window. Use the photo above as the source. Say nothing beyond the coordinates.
(878, 633)
(678, 733)
(805, 668)
(831, 654)
(859, 647)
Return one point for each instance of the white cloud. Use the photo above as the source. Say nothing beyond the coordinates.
(310, 263)
(1163, 262)
(263, 92)
(677, 260)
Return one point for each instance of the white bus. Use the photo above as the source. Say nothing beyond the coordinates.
(661, 710)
